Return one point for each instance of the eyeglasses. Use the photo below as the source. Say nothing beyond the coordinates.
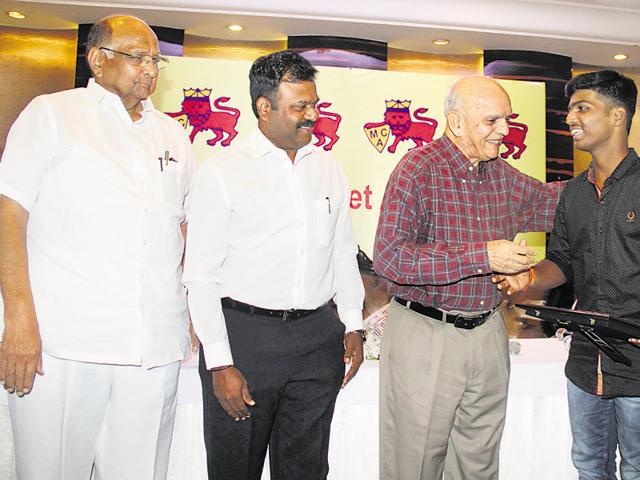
(141, 59)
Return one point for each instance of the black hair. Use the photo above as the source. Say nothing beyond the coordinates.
(619, 90)
(99, 34)
(269, 71)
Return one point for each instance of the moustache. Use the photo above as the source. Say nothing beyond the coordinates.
(307, 124)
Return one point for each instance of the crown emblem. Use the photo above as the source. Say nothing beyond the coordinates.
(397, 103)
(196, 93)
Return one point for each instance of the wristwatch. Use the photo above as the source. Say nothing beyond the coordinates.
(361, 333)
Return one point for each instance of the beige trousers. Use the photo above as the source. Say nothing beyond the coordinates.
(443, 393)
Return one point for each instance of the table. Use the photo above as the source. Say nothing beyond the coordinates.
(536, 442)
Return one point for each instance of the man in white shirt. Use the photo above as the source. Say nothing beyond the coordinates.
(270, 244)
(93, 185)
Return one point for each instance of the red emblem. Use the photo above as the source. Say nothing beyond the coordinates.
(398, 121)
(196, 112)
(326, 127)
(514, 141)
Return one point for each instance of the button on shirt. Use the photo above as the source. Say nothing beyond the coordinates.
(271, 233)
(103, 235)
(437, 215)
(596, 243)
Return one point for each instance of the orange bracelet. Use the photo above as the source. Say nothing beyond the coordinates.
(532, 277)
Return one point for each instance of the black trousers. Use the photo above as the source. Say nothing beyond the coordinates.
(294, 370)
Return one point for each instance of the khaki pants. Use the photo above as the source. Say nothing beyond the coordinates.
(443, 393)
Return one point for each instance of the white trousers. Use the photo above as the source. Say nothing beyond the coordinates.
(89, 420)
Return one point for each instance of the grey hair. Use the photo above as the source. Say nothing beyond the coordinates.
(452, 101)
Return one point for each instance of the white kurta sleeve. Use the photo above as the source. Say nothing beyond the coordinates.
(30, 149)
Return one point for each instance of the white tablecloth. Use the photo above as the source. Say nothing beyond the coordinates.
(535, 445)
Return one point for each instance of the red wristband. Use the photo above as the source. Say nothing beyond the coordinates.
(532, 277)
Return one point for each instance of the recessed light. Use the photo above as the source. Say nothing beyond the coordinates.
(235, 28)
(620, 56)
(440, 42)
(17, 15)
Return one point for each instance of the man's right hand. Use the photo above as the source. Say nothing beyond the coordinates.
(232, 391)
(21, 348)
(20, 356)
(509, 257)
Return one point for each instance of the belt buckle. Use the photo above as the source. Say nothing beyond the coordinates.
(464, 322)
(286, 314)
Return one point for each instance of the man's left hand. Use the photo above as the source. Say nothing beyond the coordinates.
(635, 341)
(195, 341)
(353, 354)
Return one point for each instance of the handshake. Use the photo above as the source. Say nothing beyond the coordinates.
(510, 260)
(512, 264)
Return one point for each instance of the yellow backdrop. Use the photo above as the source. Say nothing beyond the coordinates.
(355, 127)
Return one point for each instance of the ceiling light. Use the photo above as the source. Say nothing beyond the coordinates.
(620, 56)
(235, 28)
(440, 42)
(16, 15)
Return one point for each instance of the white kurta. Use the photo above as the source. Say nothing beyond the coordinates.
(103, 235)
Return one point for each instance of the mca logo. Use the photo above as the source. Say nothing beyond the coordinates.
(398, 122)
(326, 127)
(197, 113)
(514, 141)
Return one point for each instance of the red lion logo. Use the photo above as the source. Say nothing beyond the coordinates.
(515, 139)
(196, 107)
(326, 127)
(397, 117)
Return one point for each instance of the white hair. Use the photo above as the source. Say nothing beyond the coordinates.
(452, 101)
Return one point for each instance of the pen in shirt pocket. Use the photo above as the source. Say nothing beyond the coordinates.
(166, 158)
(328, 204)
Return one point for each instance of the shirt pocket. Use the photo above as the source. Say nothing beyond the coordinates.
(326, 212)
(173, 186)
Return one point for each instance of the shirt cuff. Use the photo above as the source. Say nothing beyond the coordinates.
(478, 260)
(217, 354)
(352, 320)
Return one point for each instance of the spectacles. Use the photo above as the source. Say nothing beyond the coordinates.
(141, 59)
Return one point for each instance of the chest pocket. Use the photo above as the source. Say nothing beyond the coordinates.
(326, 213)
(172, 185)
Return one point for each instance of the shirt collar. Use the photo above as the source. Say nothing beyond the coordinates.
(101, 94)
(460, 164)
(627, 162)
(261, 146)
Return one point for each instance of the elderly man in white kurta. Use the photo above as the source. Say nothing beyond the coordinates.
(94, 183)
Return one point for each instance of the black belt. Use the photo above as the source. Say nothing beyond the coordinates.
(459, 321)
(291, 314)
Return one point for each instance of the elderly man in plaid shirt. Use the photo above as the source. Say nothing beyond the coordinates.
(449, 214)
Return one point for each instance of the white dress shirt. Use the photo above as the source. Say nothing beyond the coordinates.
(271, 233)
(103, 235)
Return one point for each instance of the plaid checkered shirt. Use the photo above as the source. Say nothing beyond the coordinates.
(437, 215)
